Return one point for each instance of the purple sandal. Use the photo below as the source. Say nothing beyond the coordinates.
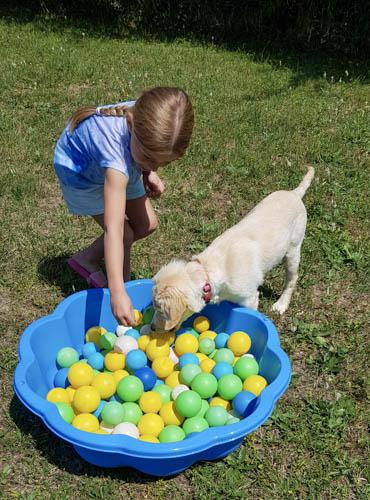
(96, 279)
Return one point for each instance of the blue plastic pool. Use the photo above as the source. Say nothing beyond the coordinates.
(67, 325)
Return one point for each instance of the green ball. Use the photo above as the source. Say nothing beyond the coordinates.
(104, 352)
(203, 409)
(188, 372)
(213, 354)
(96, 372)
(66, 412)
(132, 412)
(205, 384)
(245, 367)
(216, 416)
(130, 388)
(108, 340)
(188, 403)
(206, 346)
(148, 315)
(171, 434)
(229, 386)
(232, 420)
(113, 413)
(195, 424)
(164, 391)
(192, 332)
(66, 357)
(224, 355)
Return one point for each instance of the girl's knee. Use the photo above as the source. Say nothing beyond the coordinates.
(146, 228)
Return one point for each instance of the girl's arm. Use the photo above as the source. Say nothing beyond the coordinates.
(114, 220)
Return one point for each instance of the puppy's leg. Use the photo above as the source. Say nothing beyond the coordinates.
(251, 301)
(292, 259)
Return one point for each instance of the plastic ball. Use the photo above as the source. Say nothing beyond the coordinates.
(217, 401)
(147, 376)
(236, 359)
(188, 403)
(119, 375)
(150, 402)
(149, 439)
(148, 315)
(130, 388)
(96, 360)
(70, 392)
(224, 355)
(133, 333)
(255, 384)
(216, 416)
(188, 373)
(142, 342)
(170, 414)
(173, 379)
(97, 412)
(232, 420)
(157, 348)
(136, 359)
(86, 422)
(86, 399)
(162, 366)
(188, 358)
(221, 369)
(239, 343)
(221, 340)
(206, 346)
(243, 403)
(132, 412)
(125, 344)
(61, 378)
(201, 324)
(195, 424)
(88, 349)
(105, 384)
(208, 334)
(205, 384)
(114, 361)
(173, 357)
(245, 367)
(138, 316)
(126, 428)
(171, 434)
(151, 423)
(94, 333)
(164, 391)
(178, 390)
(66, 357)
(113, 413)
(108, 340)
(121, 330)
(66, 412)
(229, 386)
(207, 365)
(145, 330)
(201, 357)
(203, 409)
(158, 382)
(115, 397)
(108, 429)
(186, 343)
(80, 374)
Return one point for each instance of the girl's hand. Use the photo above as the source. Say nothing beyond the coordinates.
(153, 185)
(122, 309)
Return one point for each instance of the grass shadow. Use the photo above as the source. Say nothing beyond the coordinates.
(55, 271)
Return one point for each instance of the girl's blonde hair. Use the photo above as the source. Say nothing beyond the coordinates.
(163, 121)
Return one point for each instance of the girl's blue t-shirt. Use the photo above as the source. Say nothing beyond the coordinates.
(97, 143)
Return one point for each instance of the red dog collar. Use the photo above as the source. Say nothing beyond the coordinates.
(207, 293)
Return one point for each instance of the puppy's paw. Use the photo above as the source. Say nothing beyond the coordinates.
(280, 306)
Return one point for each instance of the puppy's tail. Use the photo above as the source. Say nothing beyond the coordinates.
(305, 184)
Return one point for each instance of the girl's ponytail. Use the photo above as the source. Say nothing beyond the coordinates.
(83, 113)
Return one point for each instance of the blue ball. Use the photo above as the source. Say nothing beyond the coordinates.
(147, 376)
(221, 340)
(97, 412)
(89, 348)
(158, 382)
(132, 333)
(136, 359)
(244, 403)
(60, 379)
(116, 398)
(96, 360)
(79, 348)
(187, 358)
(221, 369)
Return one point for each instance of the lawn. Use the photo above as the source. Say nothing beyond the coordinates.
(261, 116)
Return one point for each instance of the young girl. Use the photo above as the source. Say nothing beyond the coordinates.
(106, 161)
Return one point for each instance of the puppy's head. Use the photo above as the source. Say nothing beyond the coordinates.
(174, 296)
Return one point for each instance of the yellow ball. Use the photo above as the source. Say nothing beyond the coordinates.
(148, 438)
(94, 333)
(119, 375)
(173, 379)
(150, 402)
(80, 374)
(208, 334)
(170, 415)
(170, 337)
(217, 401)
(201, 324)
(201, 356)
(186, 343)
(156, 348)
(143, 341)
(114, 361)
(239, 343)
(71, 392)
(162, 366)
(207, 365)
(86, 399)
(151, 424)
(255, 384)
(100, 431)
(138, 317)
(105, 384)
(86, 422)
(58, 395)
(236, 358)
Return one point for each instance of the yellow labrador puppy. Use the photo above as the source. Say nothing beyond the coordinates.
(234, 265)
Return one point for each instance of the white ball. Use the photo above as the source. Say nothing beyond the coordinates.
(121, 330)
(178, 390)
(107, 428)
(126, 428)
(145, 330)
(173, 357)
(248, 356)
(125, 344)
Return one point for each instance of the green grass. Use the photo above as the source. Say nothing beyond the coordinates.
(259, 120)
